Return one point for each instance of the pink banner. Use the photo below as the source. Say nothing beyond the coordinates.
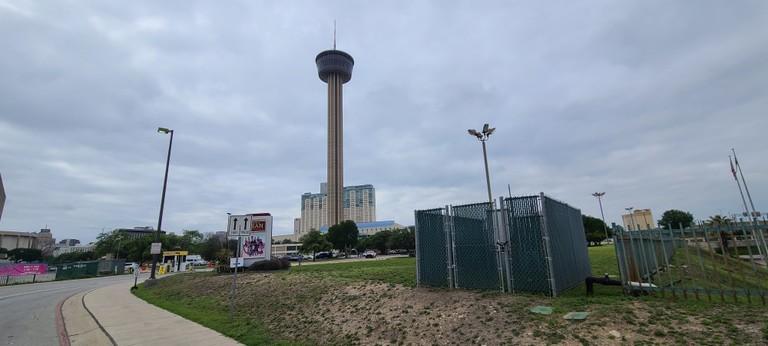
(23, 269)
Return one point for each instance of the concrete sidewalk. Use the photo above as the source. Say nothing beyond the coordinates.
(128, 320)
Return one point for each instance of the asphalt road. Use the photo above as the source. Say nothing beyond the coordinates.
(28, 312)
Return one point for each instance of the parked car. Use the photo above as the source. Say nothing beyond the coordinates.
(129, 267)
(321, 255)
(293, 257)
(369, 254)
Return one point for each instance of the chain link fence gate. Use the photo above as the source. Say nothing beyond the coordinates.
(531, 244)
(433, 264)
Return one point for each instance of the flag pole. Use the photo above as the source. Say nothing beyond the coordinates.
(753, 214)
(741, 173)
(733, 170)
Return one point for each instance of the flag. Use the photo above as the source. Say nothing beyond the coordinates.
(733, 170)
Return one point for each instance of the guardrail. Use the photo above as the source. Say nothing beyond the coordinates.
(25, 279)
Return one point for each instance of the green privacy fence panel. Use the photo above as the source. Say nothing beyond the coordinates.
(529, 269)
(432, 248)
(112, 266)
(569, 260)
(77, 270)
(475, 246)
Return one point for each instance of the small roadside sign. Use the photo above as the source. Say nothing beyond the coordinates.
(239, 260)
(156, 249)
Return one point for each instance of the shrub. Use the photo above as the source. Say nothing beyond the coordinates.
(271, 264)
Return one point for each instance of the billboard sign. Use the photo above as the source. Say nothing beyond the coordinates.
(23, 269)
(254, 232)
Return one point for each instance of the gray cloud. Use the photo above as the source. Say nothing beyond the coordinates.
(641, 100)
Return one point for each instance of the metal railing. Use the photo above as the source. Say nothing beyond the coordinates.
(725, 262)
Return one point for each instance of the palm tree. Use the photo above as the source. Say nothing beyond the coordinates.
(718, 220)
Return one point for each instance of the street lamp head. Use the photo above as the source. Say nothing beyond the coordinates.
(489, 131)
(598, 194)
(629, 209)
(164, 130)
(472, 132)
(485, 128)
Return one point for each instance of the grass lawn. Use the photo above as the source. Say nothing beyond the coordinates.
(393, 270)
(373, 302)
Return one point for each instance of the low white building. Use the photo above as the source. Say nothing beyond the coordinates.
(62, 249)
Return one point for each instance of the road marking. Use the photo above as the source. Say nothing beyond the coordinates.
(37, 291)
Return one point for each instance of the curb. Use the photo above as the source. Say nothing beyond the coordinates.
(61, 326)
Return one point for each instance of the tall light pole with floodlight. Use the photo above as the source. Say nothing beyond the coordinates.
(162, 199)
(599, 196)
(482, 136)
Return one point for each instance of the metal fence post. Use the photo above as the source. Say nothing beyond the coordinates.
(547, 245)
(448, 241)
(498, 242)
(504, 230)
(453, 251)
(416, 236)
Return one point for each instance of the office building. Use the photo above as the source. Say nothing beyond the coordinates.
(370, 228)
(69, 242)
(137, 232)
(638, 219)
(42, 240)
(359, 205)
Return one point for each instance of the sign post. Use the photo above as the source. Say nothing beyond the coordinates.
(135, 268)
(257, 231)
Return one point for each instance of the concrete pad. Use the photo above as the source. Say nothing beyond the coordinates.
(132, 321)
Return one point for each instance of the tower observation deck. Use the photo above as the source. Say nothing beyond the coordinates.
(334, 67)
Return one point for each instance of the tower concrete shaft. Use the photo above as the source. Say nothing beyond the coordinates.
(335, 151)
(335, 68)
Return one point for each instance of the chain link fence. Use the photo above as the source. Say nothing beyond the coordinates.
(531, 244)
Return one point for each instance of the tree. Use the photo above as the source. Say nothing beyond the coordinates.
(314, 242)
(718, 220)
(74, 257)
(402, 239)
(25, 255)
(674, 218)
(286, 241)
(344, 235)
(377, 241)
(594, 229)
(209, 249)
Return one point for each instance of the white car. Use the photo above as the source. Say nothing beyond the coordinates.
(369, 254)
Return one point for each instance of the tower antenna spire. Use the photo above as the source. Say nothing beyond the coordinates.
(334, 34)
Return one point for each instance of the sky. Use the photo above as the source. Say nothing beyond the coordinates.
(641, 100)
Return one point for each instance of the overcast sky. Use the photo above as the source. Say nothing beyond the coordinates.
(641, 100)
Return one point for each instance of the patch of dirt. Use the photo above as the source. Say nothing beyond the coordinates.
(319, 310)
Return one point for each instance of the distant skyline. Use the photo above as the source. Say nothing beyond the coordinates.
(640, 99)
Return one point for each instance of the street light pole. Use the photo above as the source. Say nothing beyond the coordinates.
(599, 196)
(483, 136)
(162, 199)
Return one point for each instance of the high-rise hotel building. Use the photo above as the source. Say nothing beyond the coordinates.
(359, 205)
